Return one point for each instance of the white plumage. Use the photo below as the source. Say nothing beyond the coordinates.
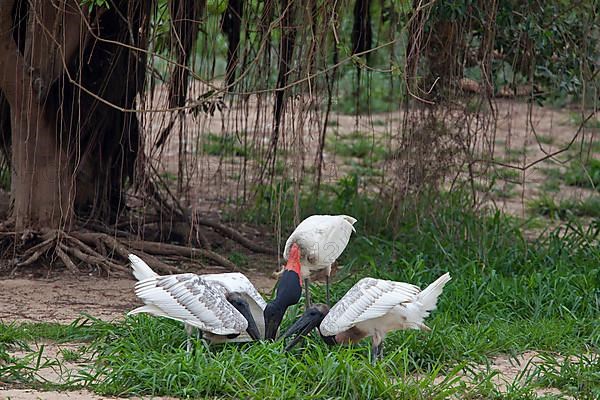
(236, 282)
(377, 306)
(321, 239)
(189, 299)
(198, 301)
(371, 308)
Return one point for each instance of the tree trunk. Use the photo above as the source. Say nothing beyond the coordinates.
(70, 152)
(41, 174)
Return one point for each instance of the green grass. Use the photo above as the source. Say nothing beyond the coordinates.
(584, 173)
(592, 123)
(359, 145)
(507, 295)
(567, 208)
(507, 191)
(579, 377)
(545, 139)
(507, 174)
(169, 176)
(514, 155)
(224, 145)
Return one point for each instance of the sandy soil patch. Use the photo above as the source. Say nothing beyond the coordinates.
(66, 298)
(509, 370)
(31, 394)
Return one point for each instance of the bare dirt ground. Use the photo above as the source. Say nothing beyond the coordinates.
(62, 298)
(32, 394)
(66, 298)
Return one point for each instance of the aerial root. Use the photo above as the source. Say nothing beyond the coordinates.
(66, 260)
(104, 251)
(148, 250)
(34, 253)
(236, 236)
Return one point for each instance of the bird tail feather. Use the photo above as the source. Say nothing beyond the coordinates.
(428, 297)
(141, 270)
(350, 220)
(148, 309)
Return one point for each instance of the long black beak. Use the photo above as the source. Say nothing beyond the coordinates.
(311, 319)
(252, 328)
(271, 326)
(244, 308)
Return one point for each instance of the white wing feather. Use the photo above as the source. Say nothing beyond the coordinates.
(188, 298)
(237, 282)
(321, 238)
(369, 298)
(141, 270)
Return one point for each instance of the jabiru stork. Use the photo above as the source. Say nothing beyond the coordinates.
(371, 308)
(319, 240)
(206, 304)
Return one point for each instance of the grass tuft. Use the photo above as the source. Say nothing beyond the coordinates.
(508, 295)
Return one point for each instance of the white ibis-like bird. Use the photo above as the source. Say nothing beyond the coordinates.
(198, 302)
(319, 241)
(371, 308)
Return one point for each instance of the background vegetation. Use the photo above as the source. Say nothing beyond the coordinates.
(419, 118)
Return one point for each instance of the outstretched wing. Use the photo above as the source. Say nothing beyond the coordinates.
(369, 298)
(190, 299)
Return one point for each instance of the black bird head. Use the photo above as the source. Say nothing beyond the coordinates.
(311, 319)
(241, 304)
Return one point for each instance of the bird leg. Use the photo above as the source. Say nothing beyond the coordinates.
(374, 354)
(189, 330)
(306, 294)
(376, 348)
(327, 290)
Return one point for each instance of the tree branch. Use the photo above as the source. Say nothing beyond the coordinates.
(175, 250)
(236, 236)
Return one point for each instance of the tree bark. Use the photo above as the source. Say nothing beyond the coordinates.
(232, 26)
(41, 173)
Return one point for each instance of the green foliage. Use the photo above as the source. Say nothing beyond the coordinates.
(584, 174)
(226, 145)
(358, 144)
(91, 4)
(507, 295)
(567, 208)
(551, 45)
(577, 119)
(377, 93)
